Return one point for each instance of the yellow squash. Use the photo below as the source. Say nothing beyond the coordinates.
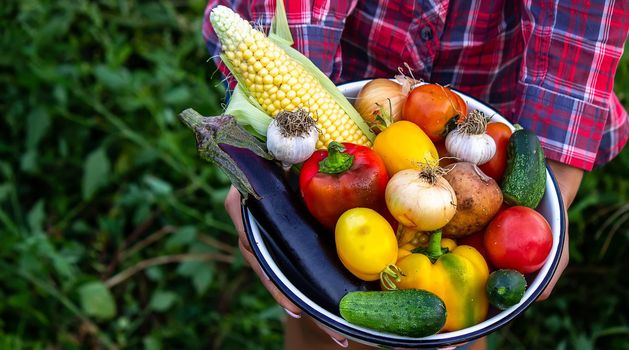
(366, 245)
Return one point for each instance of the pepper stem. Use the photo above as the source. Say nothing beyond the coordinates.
(388, 275)
(337, 160)
(434, 250)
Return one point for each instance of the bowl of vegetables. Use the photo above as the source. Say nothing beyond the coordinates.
(317, 278)
(396, 212)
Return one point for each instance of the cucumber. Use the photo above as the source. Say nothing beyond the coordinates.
(524, 181)
(505, 288)
(408, 312)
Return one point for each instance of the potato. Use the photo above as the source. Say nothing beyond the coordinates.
(478, 199)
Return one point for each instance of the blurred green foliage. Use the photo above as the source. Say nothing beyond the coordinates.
(113, 232)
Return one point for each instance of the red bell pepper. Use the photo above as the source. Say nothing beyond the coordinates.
(343, 177)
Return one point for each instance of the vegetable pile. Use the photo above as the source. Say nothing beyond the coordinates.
(354, 200)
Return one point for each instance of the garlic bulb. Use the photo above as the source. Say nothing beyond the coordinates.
(469, 142)
(292, 137)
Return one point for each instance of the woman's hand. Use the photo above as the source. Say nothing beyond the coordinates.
(232, 206)
(569, 180)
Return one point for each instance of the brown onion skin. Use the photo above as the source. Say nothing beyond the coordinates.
(382, 97)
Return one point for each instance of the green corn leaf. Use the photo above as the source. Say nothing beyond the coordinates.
(246, 106)
(281, 36)
(279, 24)
(247, 114)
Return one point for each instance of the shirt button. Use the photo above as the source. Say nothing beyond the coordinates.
(426, 33)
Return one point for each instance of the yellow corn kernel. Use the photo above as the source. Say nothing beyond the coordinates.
(278, 82)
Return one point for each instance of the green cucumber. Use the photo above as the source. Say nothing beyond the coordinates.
(505, 288)
(524, 180)
(408, 312)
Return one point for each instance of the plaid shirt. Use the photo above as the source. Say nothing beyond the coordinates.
(548, 65)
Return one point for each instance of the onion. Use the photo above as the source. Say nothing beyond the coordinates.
(421, 199)
(380, 101)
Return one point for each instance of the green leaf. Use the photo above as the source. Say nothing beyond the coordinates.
(201, 273)
(177, 96)
(36, 126)
(162, 300)
(158, 186)
(152, 343)
(5, 190)
(182, 237)
(36, 217)
(96, 300)
(203, 278)
(28, 161)
(114, 79)
(95, 172)
(582, 342)
(190, 268)
(154, 273)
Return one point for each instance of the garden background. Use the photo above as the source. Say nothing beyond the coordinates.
(113, 232)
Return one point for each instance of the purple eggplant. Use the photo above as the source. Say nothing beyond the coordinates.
(301, 247)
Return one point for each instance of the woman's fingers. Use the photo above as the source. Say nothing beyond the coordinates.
(563, 263)
(232, 206)
(337, 338)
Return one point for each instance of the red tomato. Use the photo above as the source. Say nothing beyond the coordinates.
(475, 240)
(433, 107)
(495, 167)
(518, 238)
(343, 177)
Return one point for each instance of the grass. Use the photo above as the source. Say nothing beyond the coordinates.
(113, 232)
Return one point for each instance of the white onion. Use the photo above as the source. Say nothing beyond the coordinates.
(420, 199)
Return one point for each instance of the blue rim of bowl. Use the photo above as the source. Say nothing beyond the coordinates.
(417, 342)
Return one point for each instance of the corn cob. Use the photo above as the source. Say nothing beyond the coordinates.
(277, 81)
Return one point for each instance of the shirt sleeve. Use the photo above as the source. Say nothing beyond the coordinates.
(316, 27)
(572, 52)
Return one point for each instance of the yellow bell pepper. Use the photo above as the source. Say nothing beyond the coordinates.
(457, 276)
(404, 145)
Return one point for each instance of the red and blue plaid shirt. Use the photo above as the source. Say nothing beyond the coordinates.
(548, 65)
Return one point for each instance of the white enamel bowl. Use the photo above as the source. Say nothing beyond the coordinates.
(551, 208)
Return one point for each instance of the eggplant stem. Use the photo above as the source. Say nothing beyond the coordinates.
(211, 132)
